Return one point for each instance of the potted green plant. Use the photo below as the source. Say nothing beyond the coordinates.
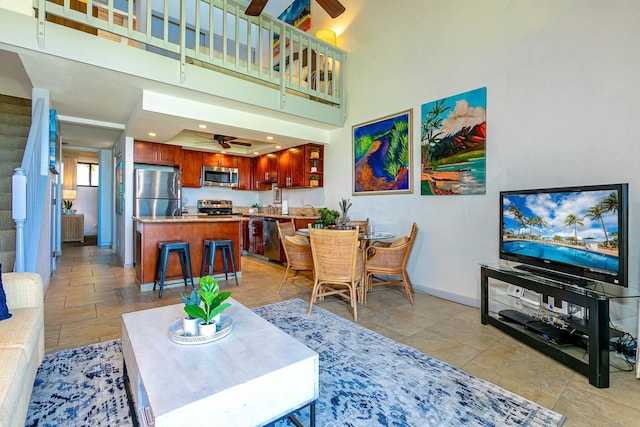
(212, 305)
(255, 208)
(190, 324)
(67, 206)
(314, 181)
(326, 218)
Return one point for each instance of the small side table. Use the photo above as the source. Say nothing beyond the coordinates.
(73, 227)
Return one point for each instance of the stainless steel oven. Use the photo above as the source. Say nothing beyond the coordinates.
(216, 176)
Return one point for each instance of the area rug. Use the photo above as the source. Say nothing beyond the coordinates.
(366, 379)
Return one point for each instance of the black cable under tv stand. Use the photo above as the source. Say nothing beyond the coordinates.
(596, 367)
(551, 275)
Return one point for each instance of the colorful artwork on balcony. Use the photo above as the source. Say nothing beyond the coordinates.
(297, 14)
(453, 150)
(382, 155)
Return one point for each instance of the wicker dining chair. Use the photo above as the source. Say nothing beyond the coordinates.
(389, 260)
(297, 251)
(338, 266)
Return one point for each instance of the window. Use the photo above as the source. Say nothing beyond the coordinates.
(87, 174)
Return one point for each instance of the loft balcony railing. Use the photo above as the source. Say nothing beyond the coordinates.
(214, 34)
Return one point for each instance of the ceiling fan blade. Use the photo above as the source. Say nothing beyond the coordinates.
(333, 7)
(223, 138)
(255, 7)
(224, 145)
(246, 144)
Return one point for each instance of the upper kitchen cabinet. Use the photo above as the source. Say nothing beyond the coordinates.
(291, 167)
(245, 173)
(313, 165)
(221, 160)
(191, 168)
(265, 171)
(157, 154)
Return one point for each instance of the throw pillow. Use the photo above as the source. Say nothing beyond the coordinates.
(4, 310)
(398, 242)
(297, 239)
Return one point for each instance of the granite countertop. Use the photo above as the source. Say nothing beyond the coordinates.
(192, 218)
(279, 216)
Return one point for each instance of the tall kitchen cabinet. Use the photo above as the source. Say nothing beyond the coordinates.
(245, 173)
(191, 168)
(291, 167)
(265, 171)
(156, 154)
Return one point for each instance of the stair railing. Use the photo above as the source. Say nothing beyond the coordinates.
(29, 186)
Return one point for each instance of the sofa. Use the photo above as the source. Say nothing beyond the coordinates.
(21, 345)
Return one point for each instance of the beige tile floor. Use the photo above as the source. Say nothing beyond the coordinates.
(88, 293)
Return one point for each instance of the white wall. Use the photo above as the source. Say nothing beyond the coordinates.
(562, 107)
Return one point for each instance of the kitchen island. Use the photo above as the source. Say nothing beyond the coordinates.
(193, 229)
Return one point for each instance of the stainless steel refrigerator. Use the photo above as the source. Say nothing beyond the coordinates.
(158, 193)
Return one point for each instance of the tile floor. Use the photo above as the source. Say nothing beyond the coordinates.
(88, 293)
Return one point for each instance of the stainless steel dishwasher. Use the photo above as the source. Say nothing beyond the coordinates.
(271, 239)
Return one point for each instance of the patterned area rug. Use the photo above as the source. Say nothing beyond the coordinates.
(366, 379)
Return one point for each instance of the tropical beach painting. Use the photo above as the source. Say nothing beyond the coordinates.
(573, 227)
(453, 136)
(382, 155)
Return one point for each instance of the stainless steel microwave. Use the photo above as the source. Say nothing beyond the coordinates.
(215, 176)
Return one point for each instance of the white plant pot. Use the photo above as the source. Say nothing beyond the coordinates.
(208, 330)
(191, 327)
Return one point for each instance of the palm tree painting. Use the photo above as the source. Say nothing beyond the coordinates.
(453, 135)
(382, 155)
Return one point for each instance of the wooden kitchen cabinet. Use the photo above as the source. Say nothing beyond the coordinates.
(156, 154)
(191, 168)
(245, 173)
(256, 239)
(265, 171)
(218, 159)
(291, 167)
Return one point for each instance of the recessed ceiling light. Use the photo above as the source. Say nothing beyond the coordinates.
(202, 126)
(270, 138)
(255, 152)
(278, 147)
(152, 134)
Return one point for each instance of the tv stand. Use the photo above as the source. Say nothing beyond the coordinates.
(558, 277)
(596, 306)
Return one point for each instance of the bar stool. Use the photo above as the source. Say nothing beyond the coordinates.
(164, 247)
(209, 255)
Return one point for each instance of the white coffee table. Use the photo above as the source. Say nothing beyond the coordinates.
(255, 375)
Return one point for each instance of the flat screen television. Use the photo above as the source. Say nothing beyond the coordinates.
(574, 234)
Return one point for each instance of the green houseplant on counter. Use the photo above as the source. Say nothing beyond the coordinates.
(212, 305)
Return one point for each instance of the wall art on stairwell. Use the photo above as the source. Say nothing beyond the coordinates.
(453, 144)
(382, 155)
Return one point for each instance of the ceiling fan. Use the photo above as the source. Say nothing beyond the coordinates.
(225, 140)
(333, 7)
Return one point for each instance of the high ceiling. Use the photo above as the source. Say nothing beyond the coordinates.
(94, 104)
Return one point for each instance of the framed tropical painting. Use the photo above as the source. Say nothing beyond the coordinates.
(453, 144)
(382, 155)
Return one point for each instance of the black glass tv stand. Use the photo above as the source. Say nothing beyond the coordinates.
(595, 305)
(558, 277)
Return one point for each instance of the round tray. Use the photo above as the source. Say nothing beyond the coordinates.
(176, 334)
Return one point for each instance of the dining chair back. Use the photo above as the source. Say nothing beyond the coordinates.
(390, 260)
(338, 266)
(297, 251)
